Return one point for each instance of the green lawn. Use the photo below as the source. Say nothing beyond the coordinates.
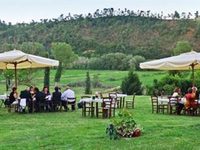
(106, 78)
(69, 130)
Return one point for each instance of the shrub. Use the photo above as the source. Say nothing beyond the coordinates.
(131, 84)
(168, 83)
(123, 126)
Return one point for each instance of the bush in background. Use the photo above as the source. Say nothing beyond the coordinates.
(110, 61)
(131, 84)
(168, 83)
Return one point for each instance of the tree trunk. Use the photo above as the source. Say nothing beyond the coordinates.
(58, 72)
(46, 77)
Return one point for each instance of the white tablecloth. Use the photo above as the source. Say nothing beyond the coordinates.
(165, 100)
(121, 95)
(118, 95)
(3, 97)
(98, 100)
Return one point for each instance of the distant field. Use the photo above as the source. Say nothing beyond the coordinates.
(107, 78)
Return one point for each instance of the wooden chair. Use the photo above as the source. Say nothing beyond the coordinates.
(192, 111)
(41, 106)
(130, 103)
(173, 105)
(87, 107)
(158, 107)
(72, 102)
(113, 95)
(154, 104)
(105, 108)
(13, 107)
(113, 106)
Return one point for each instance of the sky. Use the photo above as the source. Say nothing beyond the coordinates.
(18, 11)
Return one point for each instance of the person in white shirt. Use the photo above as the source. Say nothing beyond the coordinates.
(177, 96)
(68, 97)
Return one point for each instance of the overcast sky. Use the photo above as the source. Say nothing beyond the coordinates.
(26, 10)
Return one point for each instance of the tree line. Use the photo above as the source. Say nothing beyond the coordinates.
(108, 31)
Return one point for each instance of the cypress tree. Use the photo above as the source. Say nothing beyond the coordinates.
(87, 84)
(131, 84)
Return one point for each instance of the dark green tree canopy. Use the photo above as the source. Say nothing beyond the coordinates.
(131, 84)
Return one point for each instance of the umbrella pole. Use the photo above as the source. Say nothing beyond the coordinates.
(15, 64)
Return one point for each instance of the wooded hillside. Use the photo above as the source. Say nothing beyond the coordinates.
(108, 31)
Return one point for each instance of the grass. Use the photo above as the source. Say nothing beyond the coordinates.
(107, 78)
(69, 130)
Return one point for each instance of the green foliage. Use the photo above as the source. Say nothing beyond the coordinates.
(62, 52)
(106, 31)
(8, 75)
(176, 15)
(81, 63)
(88, 84)
(112, 132)
(182, 47)
(110, 61)
(131, 84)
(168, 83)
(135, 62)
(27, 76)
(35, 48)
(125, 124)
(58, 72)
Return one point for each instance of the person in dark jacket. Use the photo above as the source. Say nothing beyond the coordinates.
(39, 100)
(13, 95)
(13, 99)
(26, 95)
(56, 98)
(48, 102)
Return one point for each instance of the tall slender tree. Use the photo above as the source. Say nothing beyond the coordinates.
(62, 52)
(88, 84)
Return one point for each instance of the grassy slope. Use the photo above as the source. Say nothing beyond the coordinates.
(68, 130)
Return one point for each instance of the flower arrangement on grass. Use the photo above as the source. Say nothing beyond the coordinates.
(123, 126)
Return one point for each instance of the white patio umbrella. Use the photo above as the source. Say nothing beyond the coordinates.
(17, 59)
(185, 61)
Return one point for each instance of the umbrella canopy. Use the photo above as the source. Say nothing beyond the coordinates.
(17, 59)
(185, 61)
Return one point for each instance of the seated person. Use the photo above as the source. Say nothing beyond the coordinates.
(13, 98)
(32, 99)
(177, 96)
(56, 98)
(47, 98)
(190, 99)
(25, 94)
(68, 97)
(39, 99)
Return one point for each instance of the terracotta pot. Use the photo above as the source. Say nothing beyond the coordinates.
(136, 133)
